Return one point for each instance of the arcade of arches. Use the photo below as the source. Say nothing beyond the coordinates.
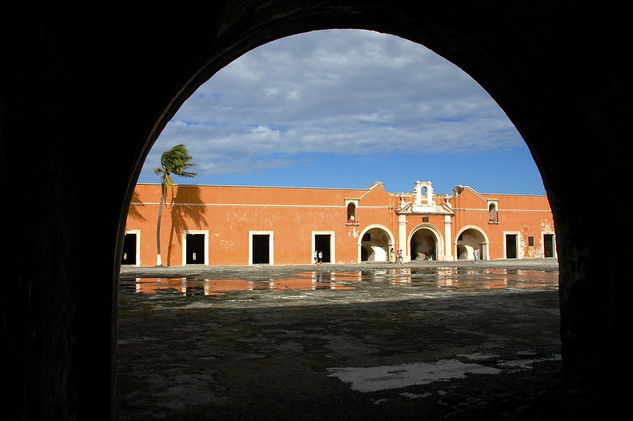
(83, 99)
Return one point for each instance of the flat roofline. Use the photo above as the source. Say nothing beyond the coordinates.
(480, 194)
(259, 187)
(365, 189)
(514, 194)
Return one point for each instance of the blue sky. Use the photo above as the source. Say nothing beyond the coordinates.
(345, 108)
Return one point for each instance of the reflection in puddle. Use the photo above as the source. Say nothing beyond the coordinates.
(422, 279)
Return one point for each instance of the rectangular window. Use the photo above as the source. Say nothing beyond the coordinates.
(531, 241)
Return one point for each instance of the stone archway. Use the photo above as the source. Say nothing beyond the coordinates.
(531, 57)
(470, 239)
(426, 243)
(374, 244)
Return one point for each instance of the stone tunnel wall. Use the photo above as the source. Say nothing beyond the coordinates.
(82, 98)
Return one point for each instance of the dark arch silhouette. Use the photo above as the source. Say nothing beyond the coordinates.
(82, 99)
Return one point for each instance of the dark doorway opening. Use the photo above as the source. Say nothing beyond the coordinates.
(194, 247)
(423, 245)
(364, 255)
(261, 248)
(511, 246)
(548, 245)
(129, 250)
(322, 242)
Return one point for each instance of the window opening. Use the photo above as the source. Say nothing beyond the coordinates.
(492, 213)
(351, 213)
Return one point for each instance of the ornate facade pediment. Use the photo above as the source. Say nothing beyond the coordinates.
(424, 202)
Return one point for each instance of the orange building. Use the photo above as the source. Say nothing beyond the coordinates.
(232, 225)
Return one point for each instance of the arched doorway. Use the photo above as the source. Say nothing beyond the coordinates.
(425, 243)
(375, 243)
(469, 240)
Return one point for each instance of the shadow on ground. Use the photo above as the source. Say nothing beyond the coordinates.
(492, 355)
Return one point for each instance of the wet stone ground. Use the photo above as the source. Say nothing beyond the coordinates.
(358, 342)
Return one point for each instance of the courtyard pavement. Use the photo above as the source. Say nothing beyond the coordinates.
(402, 352)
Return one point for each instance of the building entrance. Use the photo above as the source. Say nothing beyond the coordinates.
(322, 243)
(261, 248)
(511, 246)
(423, 245)
(548, 245)
(375, 245)
(129, 250)
(194, 249)
(468, 242)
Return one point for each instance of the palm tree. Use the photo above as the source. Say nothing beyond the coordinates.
(173, 161)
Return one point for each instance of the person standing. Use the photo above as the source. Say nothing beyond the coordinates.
(476, 254)
(320, 257)
(399, 256)
(391, 256)
(315, 256)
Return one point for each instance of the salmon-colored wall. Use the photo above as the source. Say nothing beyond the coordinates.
(523, 214)
(229, 213)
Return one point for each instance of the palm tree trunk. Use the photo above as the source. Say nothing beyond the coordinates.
(160, 214)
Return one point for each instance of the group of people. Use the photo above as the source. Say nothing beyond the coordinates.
(395, 257)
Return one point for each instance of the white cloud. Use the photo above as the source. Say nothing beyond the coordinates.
(339, 91)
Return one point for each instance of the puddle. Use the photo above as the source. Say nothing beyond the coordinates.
(373, 379)
(426, 280)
